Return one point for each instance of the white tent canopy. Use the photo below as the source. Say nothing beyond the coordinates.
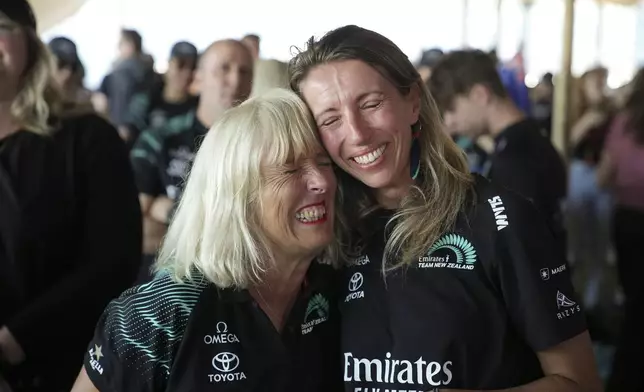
(413, 24)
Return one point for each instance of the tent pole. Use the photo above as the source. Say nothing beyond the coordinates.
(561, 117)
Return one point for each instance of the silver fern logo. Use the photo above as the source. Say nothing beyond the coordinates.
(317, 312)
(450, 251)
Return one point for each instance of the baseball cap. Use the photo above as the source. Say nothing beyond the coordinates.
(65, 50)
(430, 57)
(184, 50)
(19, 11)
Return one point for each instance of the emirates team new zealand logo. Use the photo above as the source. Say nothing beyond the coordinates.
(450, 251)
(317, 312)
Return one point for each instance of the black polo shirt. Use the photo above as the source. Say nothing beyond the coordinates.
(161, 157)
(525, 161)
(166, 336)
(469, 314)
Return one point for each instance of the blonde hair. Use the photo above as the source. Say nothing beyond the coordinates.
(444, 182)
(39, 97)
(216, 228)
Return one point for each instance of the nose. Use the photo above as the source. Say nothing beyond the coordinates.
(318, 181)
(357, 131)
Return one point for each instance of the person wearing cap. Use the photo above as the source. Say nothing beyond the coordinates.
(152, 109)
(428, 60)
(69, 73)
(70, 222)
(162, 156)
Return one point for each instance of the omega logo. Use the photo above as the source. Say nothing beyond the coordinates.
(222, 335)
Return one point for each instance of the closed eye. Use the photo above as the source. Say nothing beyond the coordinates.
(371, 104)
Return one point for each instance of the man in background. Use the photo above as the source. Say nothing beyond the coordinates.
(162, 156)
(469, 91)
(131, 74)
(171, 98)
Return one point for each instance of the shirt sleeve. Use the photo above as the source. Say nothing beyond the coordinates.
(137, 116)
(534, 277)
(146, 160)
(121, 87)
(511, 172)
(118, 356)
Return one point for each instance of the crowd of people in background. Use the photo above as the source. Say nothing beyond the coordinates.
(91, 180)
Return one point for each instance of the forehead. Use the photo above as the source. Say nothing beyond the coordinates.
(342, 80)
(227, 53)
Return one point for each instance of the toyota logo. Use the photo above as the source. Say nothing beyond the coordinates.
(355, 282)
(225, 362)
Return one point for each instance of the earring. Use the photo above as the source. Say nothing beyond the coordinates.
(414, 159)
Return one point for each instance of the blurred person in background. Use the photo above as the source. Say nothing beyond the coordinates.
(588, 207)
(70, 73)
(428, 60)
(543, 101)
(252, 42)
(131, 74)
(152, 109)
(70, 226)
(468, 89)
(621, 170)
(162, 156)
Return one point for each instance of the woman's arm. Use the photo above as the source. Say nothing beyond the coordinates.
(568, 367)
(83, 383)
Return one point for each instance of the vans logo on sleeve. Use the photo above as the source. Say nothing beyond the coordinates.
(499, 212)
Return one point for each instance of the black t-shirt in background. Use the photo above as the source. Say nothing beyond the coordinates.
(471, 313)
(525, 161)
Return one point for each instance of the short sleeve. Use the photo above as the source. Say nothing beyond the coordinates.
(114, 355)
(138, 335)
(146, 162)
(534, 276)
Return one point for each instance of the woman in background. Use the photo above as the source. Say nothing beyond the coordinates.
(622, 171)
(70, 222)
(588, 206)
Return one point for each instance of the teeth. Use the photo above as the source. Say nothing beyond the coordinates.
(370, 157)
(311, 214)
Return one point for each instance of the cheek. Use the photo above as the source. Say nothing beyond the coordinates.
(331, 141)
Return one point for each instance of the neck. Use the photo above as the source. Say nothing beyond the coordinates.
(7, 124)
(278, 290)
(207, 115)
(503, 114)
(171, 95)
(390, 197)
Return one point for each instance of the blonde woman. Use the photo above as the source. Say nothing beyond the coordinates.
(242, 301)
(70, 232)
(457, 283)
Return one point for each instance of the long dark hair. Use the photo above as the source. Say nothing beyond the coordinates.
(634, 107)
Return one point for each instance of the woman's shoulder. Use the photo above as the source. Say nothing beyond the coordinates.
(162, 300)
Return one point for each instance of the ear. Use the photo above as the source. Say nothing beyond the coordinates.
(480, 94)
(413, 99)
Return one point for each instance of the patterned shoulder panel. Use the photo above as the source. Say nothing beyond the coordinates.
(145, 325)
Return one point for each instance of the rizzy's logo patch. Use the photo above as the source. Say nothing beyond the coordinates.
(451, 251)
(317, 312)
